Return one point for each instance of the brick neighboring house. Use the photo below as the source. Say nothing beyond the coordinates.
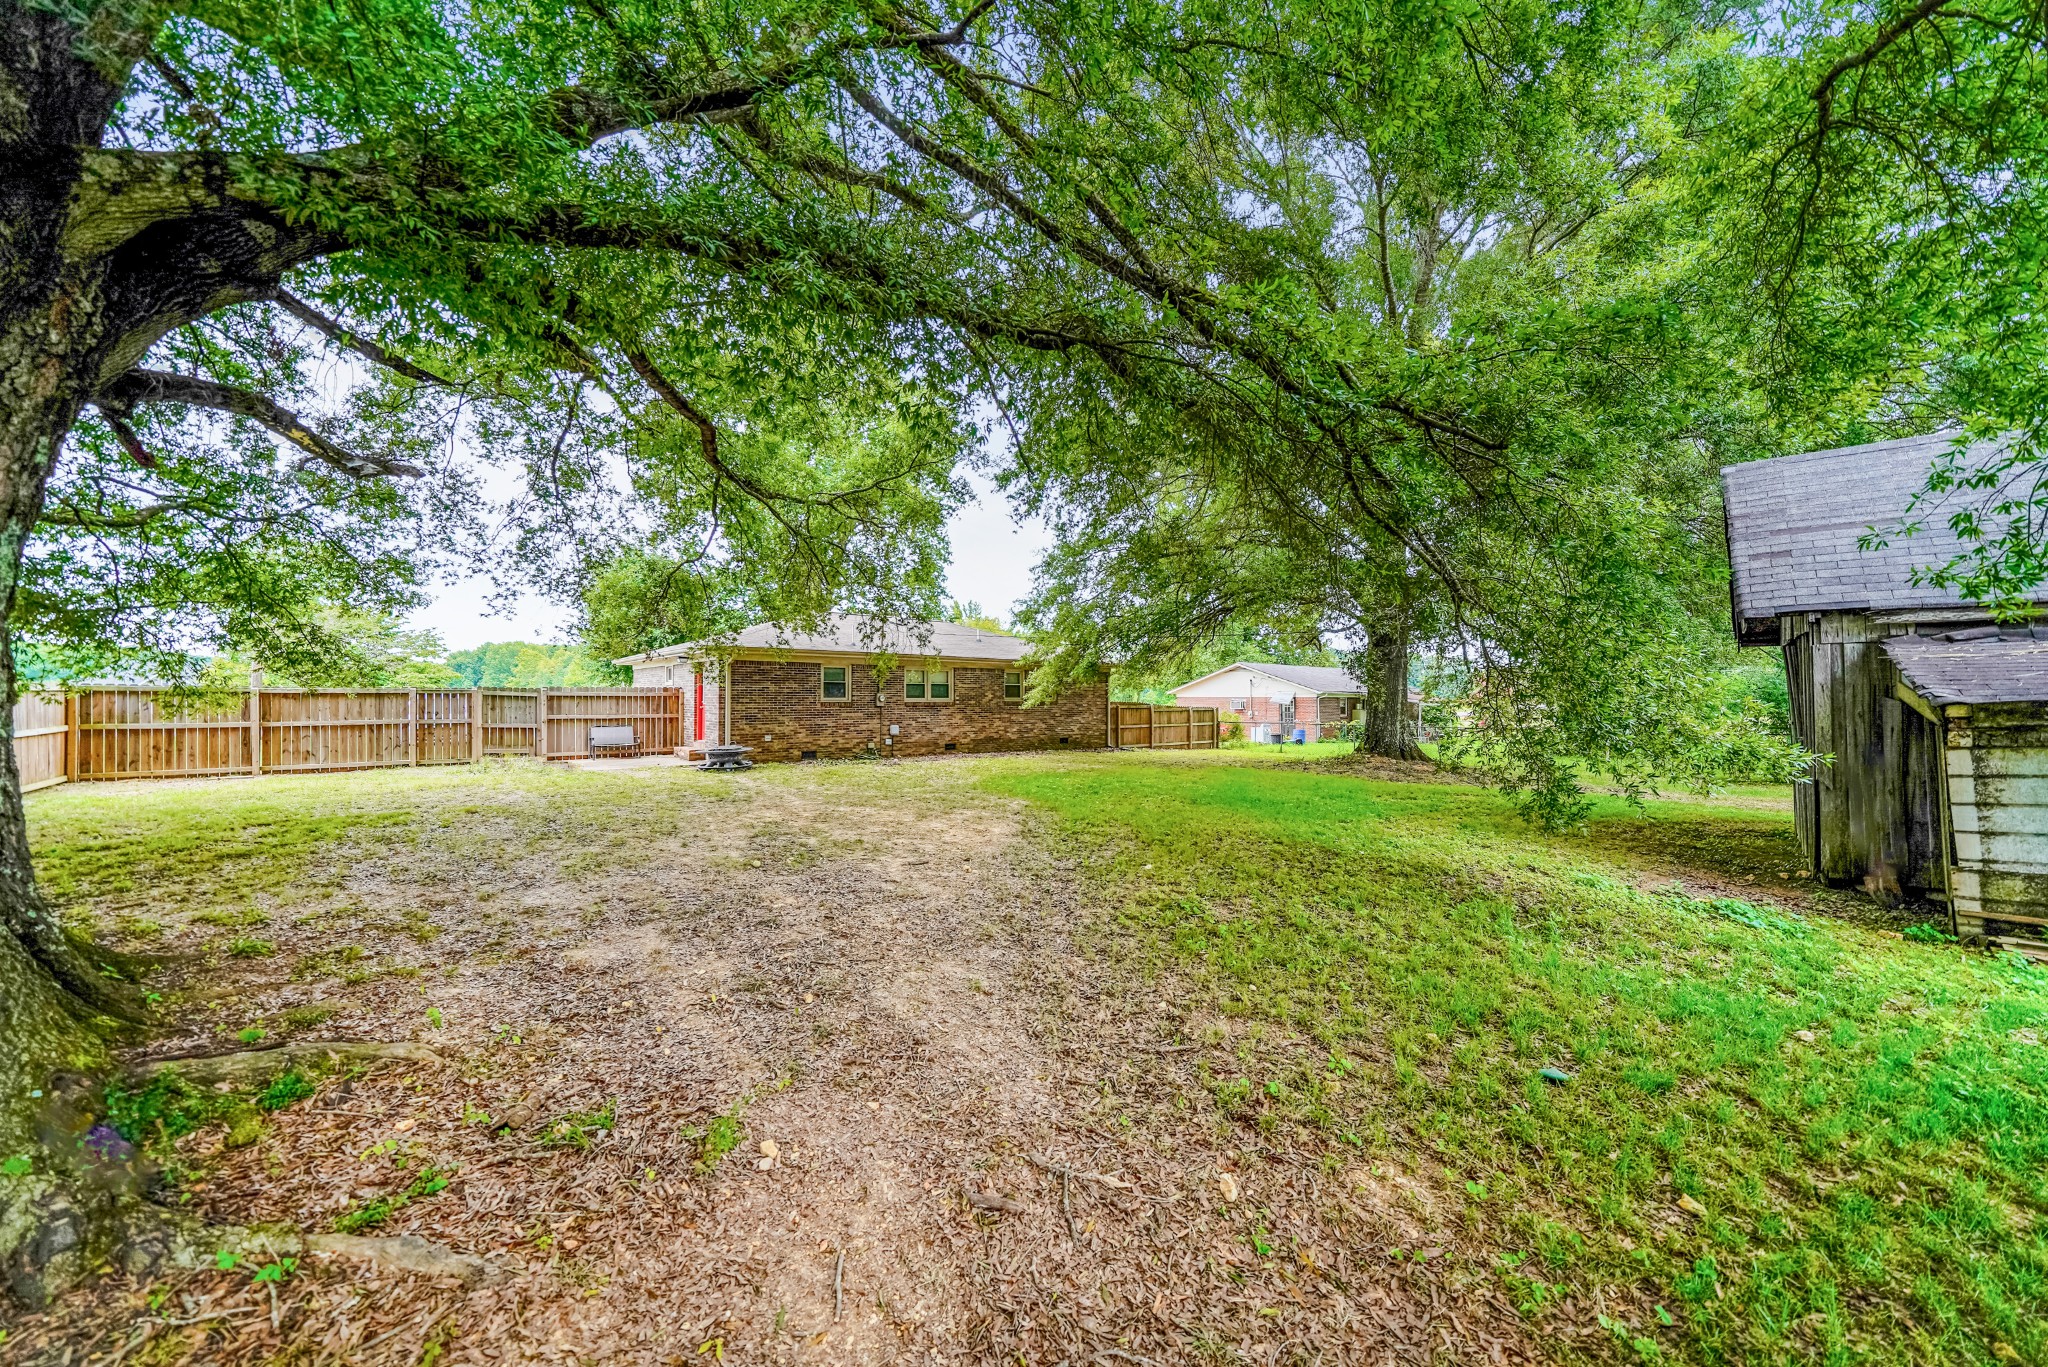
(798, 695)
(1314, 698)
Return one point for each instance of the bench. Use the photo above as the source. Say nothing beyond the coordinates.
(614, 740)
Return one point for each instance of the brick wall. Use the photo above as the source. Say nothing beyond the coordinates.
(780, 699)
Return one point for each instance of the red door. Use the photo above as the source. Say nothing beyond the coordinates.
(697, 712)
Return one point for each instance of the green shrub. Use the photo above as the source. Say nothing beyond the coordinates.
(288, 1088)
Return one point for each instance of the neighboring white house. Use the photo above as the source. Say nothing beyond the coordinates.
(1316, 699)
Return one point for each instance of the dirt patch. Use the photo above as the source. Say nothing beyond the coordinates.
(807, 1069)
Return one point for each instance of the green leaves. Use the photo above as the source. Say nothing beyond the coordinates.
(1329, 321)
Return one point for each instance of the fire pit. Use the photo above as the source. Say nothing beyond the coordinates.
(726, 758)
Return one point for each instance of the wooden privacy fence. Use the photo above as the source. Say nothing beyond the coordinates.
(139, 732)
(1141, 726)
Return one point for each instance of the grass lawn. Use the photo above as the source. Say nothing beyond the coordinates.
(1783, 1133)
(1794, 1138)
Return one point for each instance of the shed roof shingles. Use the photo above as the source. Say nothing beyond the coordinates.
(1795, 523)
(2012, 668)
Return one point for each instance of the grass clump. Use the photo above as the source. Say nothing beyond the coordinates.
(307, 1016)
(250, 947)
(718, 1137)
(577, 1129)
(375, 1212)
(223, 916)
(330, 963)
(1859, 1123)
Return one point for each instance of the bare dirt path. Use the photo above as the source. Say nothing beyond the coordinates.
(804, 1067)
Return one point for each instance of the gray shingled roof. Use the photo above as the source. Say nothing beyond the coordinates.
(1985, 665)
(1315, 678)
(1794, 522)
(858, 636)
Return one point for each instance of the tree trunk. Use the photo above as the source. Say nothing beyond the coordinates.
(92, 274)
(56, 1220)
(54, 339)
(1389, 724)
(50, 338)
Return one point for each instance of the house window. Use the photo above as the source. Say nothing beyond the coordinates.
(1013, 685)
(933, 684)
(832, 683)
(1237, 704)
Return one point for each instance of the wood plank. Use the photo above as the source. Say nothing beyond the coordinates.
(71, 741)
(1852, 628)
(1916, 702)
(1842, 732)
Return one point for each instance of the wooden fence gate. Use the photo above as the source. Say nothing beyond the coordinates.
(144, 731)
(1141, 726)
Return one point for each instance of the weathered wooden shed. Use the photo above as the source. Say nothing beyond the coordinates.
(1937, 719)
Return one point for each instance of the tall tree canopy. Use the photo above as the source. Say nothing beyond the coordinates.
(1426, 320)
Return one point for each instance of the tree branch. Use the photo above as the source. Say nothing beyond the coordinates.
(644, 366)
(130, 440)
(124, 190)
(586, 115)
(1431, 424)
(157, 386)
(341, 336)
(128, 519)
(1824, 93)
(707, 431)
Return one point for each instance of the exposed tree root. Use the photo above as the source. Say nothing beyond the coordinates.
(253, 1067)
(410, 1253)
(154, 1238)
(79, 1210)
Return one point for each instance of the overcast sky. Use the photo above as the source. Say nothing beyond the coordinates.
(992, 561)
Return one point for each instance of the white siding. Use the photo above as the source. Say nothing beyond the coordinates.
(1243, 683)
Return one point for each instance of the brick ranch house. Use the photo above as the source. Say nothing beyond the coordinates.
(804, 695)
(1315, 698)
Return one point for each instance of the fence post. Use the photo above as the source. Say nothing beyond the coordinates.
(412, 726)
(70, 737)
(540, 723)
(476, 725)
(256, 725)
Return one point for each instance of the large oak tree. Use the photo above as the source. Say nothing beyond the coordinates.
(1413, 308)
